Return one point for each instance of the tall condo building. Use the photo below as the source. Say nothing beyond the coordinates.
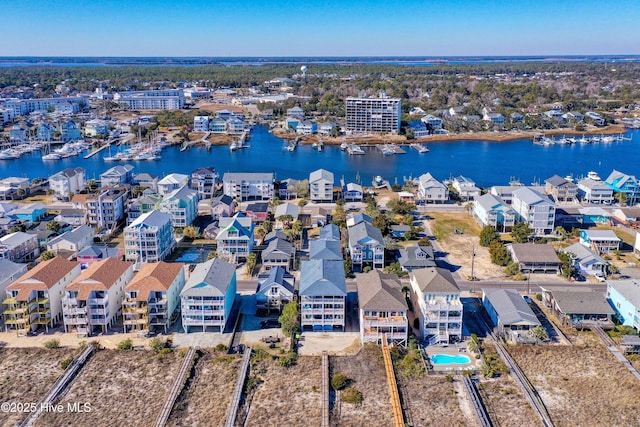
(373, 114)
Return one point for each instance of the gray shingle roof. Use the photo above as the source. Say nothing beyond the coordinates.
(510, 307)
(409, 257)
(435, 279)
(379, 291)
(572, 302)
(536, 253)
(557, 181)
(211, 278)
(247, 176)
(583, 255)
(274, 234)
(362, 231)
(530, 196)
(330, 232)
(74, 236)
(320, 175)
(151, 219)
(323, 278)
(279, 245)
(325, 249)
(277, 275)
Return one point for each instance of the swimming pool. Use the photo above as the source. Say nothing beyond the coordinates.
(447, 359)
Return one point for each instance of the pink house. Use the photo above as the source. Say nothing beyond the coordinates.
(91, 254)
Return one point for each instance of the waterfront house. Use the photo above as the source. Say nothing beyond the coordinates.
(535, 258)
(326, 128)
(307, 127)
(9, 272)
(30, 213)
(278, 253)
(595, 118)
(45, 132)
(275, 289)
(204, 180)
(593, 215)
(534, 209)
(436, 301)
(516, 118)
(19, 247)
(382, 308)
(95, 127)
(73, 217)
(72, 241)
(601, 241)
(218, 126)
(152, 297)
(94, 299)
(416, 256)
(106, 209)
(258, 211)
(594, 192)
(352, 192)
(66, 182)
(248, 186)
(70, 131)
(181, 205)
(466, 188)
(172, 182)
(493, 118)
(35, 298)
(624, 297)
(146, 180)
(208, 296)
(321, 186)
(201, 124)
(295, 112)
(561, 189)
(235, 238)
(149, 238)
(222, 206)
(573, 116)
(492, 210)
(323, 293)
(586, 261)
(578, 307)
(430, 190)
(366, 246)
(626, 185)
(116, 176)
(510, 314)
(285, 214)
(17, 135)
(143, 205)
(287, 189)
(90, 254)
(432, 122)
(13, 187)
(419, 129)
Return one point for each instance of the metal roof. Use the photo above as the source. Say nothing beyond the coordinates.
(323, 278)
(510, 307)
(211, 278)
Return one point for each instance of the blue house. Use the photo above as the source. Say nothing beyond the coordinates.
(627, 184)
(624, 297)
(594, 215)
(29, 213)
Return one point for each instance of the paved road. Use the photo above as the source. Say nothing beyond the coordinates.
(532, 287)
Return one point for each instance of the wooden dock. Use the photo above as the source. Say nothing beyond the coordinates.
(176, 388)
(94, 152)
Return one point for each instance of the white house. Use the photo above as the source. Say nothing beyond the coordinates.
(432, 190)
(248, 186)
(492, 210)
(275, 289)
(117, 175)
(149, 238)
(321, 186)
(70, 180)
(73, 241)
(535, 209)
(172, 182)
(323, 293)
(466, 188)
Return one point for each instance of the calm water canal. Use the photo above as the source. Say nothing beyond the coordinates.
(488, 163)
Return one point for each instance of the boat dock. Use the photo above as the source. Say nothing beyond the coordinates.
(420, 148)
(94, 152)
(388, 149)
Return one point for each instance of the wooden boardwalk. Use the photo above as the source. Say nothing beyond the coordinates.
(60, 384)
(612, 347)
(393, 386)
(237, 392)
(176, 388)
(325, 389)
(476, 402)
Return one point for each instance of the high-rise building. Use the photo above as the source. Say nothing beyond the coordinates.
(373, 114)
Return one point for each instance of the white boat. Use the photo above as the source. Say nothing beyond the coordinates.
(344, 146)
(7, 155)
(594, 176)
(52, 156)
(233, 146)
(354, 150)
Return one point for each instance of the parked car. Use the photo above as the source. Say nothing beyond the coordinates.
(270, 323)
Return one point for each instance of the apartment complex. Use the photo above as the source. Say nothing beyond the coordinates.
(152, 297)
(166, 99)
(35, 299)
(373, 114)
(94, 298)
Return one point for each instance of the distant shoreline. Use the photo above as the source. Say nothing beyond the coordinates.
(467, 136)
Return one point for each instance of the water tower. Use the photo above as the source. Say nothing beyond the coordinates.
(304, 71)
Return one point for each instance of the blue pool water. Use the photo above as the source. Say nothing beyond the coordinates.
(446, 359)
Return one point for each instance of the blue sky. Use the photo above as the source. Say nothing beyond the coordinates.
(318, 28)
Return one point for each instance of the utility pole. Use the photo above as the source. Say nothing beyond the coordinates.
(473, 259)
